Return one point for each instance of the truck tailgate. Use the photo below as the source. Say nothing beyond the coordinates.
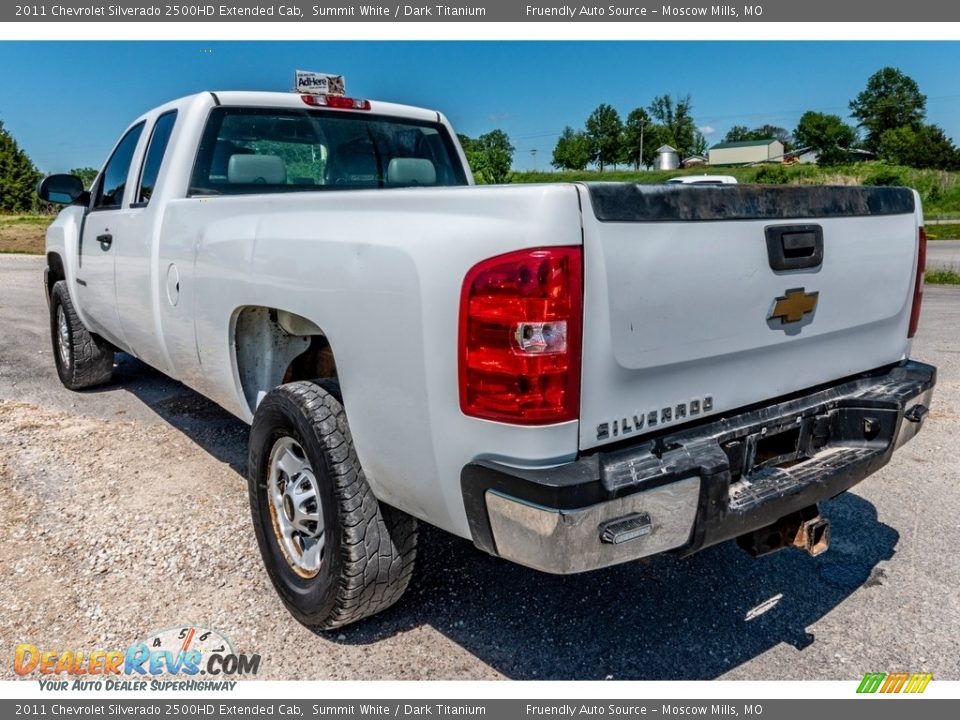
(700, 300)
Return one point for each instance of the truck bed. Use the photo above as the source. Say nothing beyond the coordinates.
(684, 289)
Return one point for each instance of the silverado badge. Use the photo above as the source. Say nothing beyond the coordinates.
(792, 306)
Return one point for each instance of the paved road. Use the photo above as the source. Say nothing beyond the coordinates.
(944, 254)
(124, 509)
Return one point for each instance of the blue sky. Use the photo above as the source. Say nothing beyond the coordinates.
(67, 102)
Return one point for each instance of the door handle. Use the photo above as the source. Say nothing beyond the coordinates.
(105, 240)
(794, 247)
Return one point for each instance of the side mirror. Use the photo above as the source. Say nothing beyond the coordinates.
(61, 189)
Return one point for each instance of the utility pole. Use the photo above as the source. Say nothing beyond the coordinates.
(643, 125)
(533, 155)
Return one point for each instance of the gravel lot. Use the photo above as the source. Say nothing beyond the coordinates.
(124, 509)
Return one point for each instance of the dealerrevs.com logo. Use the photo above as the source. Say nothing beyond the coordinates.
(898, 682)
(186, 652)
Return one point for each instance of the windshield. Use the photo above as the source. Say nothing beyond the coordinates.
(265, 150)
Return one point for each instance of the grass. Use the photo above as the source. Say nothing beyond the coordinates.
(23, 234)
(949, 231)
(942, 276)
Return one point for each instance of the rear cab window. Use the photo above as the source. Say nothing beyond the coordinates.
(268, 150)
(159, 139)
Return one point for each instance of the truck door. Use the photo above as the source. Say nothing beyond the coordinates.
(137, 293)
(104, 226)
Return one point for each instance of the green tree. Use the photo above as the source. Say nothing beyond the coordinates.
(572, 151)
(656, 136)
(740, 133)
(466, 142)
(828, 135)
(776, 132)
(490, 156)
(636, 142)
(922, 146)
(18, 176)
(699, 143)
(676, 117)
(891, 100)
(86, 174)
(604, 130)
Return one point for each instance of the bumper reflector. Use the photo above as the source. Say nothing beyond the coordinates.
(625, 529)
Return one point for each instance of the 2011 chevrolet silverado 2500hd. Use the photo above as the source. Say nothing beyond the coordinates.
(571, 375)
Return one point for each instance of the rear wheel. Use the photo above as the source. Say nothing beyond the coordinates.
(82, 358)
(333, 552)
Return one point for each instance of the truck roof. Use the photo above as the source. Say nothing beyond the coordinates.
(293, 100)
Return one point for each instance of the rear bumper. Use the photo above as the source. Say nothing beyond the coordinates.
(690, 488)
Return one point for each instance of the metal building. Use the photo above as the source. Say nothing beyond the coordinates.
(746, 152)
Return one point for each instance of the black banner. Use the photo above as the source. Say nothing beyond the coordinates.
(633, 11)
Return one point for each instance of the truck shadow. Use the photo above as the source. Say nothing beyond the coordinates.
(666, 618)
(203, 421)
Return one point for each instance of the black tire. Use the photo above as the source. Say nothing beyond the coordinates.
(369, 549)
(82, 358)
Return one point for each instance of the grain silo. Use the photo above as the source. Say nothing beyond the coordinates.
(667, 158)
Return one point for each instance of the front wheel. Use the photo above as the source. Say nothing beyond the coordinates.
(82, 358)
(333, 552)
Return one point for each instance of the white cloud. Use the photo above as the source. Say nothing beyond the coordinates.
(706, 130)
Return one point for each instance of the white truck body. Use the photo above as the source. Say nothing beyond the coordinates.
(679, 324)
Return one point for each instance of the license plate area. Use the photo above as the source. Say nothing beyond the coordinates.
(779, 446)
(773, 450)
(785, 445)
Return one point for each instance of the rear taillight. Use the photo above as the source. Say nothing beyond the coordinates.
(918, 283)
(520, 329)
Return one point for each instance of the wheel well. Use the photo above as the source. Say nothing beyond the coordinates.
(55, 271)
(273, 347)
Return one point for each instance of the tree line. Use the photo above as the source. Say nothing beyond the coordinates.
(607, 140)
(18, 176)
(891, 125)
(890, 115)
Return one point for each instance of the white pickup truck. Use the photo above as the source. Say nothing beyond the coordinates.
(571, 375)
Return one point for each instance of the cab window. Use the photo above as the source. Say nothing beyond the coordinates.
(113, 179)
(266, 150)
(159, 139)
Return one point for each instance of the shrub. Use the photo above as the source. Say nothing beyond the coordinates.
(771, 175)
(886, 176)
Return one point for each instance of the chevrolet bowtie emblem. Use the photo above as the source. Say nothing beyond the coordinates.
(792, 306)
